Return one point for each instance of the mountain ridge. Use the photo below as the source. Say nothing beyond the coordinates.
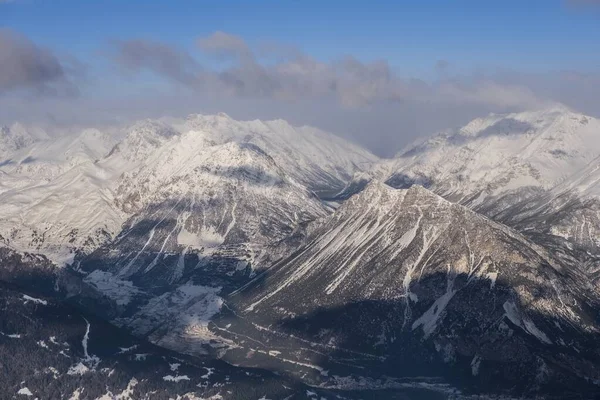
(275, 246)
(409, 271)
(106, 179)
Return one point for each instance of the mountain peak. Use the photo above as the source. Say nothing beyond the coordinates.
(15, 137)
(382, 193)
(525, 121)
(499, 155)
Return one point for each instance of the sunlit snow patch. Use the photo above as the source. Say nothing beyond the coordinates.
(513, 314)
(34, 300)
(177, 378)
(78, 369)
(121, 291)
(208, 239)
(25, 391)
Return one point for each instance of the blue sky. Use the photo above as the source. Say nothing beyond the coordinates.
(355, 64)
(411, 35)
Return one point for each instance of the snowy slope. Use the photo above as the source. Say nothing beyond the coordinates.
(565, 218)
(584, 183)
(317, 159)
(46, 159)
(499, 155)
(202, 218)
(18, 136)
(72, 212)
(230, 197)
(68, 194)
(55, 197)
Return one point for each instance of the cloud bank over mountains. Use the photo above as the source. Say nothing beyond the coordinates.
(366, 101)
(283, 73)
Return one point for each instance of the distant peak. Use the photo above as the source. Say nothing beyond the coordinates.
(377, 190)
(551, 112)
(17, 137)
(376, 185)
(152, 127)
(199, 116)
(559, 108)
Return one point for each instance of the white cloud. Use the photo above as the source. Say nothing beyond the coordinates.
(296, 76)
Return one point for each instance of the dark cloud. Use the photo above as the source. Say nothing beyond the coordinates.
(441, 65)
(164, 60)
(225, 46)
(23, 65)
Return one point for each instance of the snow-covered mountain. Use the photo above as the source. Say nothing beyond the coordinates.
(535, 171)
(71, 194)
(499, 155)
(175, 214)
(194, 231)
(18, 136)
(576, 207)
(474, 254)
(317, 159)
(565, 219)
(55, 197)
(203, 215)
(50, 157)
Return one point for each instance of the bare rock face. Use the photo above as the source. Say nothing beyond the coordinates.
(399, 275)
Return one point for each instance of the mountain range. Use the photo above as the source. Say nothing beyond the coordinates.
(465, 266)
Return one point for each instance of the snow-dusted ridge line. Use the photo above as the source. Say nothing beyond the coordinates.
(51, 184)
(497, 154)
